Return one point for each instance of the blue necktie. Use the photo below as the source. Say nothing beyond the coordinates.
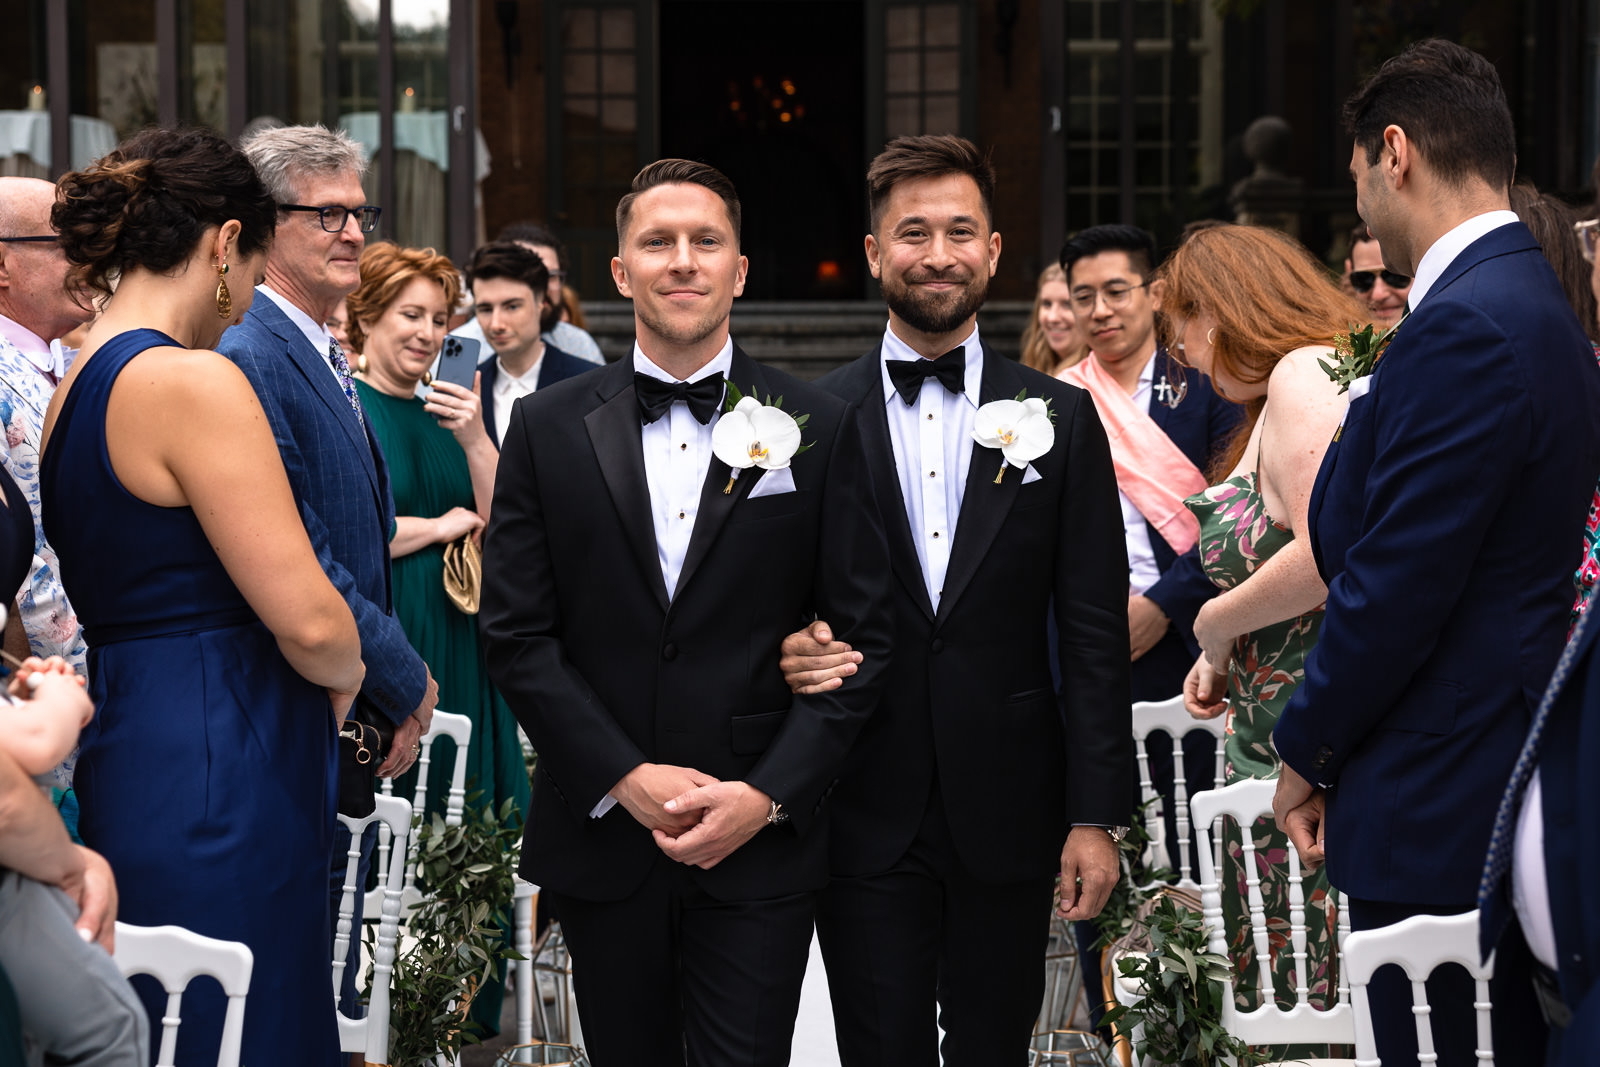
(1503, 838)
(340, 364)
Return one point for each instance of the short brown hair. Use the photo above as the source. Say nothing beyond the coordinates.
(679, 172)
(1449, 101)
(907, 159)
(1269, 297)
(386, 269)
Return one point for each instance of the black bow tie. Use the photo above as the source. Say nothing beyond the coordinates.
(656, 397)
(909, 374)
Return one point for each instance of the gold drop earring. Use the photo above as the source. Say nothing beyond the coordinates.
(224, 298)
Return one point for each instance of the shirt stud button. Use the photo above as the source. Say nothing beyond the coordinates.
(683, 447)
(933, 474)
(936, 535)
(680, 514)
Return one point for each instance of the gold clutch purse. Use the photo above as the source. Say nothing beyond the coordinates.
(463, 573)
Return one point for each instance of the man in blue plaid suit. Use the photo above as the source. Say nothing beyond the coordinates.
(335, 466)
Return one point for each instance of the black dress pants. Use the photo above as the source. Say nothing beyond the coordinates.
(671, 975)
(927, 932)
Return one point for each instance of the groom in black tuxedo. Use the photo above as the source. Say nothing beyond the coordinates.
(635, 595)
(950, 816)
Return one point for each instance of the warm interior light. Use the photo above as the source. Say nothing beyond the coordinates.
(828, 271)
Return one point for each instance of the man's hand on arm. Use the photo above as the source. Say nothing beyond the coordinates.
(813, 662)
(646, 790)
(1147, 624)
(1089, 871)
(1298, 808)
(729, 813)
(403, 753)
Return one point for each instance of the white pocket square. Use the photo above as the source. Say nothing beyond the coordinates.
(1359, 387)
(1031, 474)
(772, 483)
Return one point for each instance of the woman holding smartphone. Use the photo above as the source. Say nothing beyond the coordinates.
(441, 470)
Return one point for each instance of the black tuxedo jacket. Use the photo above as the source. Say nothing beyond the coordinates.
(555, 366)
(968, 707)
(605, 673)
(1201, 426)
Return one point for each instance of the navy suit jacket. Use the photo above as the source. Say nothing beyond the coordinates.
(1568, 756)
(1446, 520)
(554, 367)
(1201, 426)
(341, 484)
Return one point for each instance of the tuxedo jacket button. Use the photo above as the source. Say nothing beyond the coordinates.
(669, 652)
(937, 646)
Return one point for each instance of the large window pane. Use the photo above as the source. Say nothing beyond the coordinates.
(24, 124)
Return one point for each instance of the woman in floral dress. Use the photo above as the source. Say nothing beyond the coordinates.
(1252, 310)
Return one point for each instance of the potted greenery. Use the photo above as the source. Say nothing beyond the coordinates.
(454, 941)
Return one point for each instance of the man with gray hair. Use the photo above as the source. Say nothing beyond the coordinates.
(335, 467)
(36, 308)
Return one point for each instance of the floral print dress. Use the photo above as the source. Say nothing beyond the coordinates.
(1236, 537)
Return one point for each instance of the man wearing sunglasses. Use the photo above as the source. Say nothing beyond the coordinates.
(1383, 291)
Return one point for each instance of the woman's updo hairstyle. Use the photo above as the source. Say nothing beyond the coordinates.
(147, 202)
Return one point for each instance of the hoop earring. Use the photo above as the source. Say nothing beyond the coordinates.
(1211, 337)
(224, 298)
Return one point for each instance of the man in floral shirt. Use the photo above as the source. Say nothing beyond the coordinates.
(36, 308)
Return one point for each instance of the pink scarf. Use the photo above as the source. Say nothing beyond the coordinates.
(1151, 470)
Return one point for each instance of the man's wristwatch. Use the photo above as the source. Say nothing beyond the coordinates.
(1117, 832)
(776, 816)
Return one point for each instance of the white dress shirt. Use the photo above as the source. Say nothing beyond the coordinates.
(508, 389)
(677, 454)
(315, 331)
(1143, 571)
(1443, 252)
(932, 442)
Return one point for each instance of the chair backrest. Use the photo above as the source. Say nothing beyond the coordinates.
(371, 1035)
(174, 957)
(1419, 945)
(1268, 1024)
(1170, 717)
(459, 728)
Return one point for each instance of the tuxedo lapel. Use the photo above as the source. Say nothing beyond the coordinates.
(716, 505)
(879, 447)
(985, 505)
(615, 433)
(490, 373)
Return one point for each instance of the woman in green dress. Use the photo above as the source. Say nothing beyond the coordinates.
(441, 472)
(1253, 311)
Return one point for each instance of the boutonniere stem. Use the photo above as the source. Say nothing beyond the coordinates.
(1358, 353)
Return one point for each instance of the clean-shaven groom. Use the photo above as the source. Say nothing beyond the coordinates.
(636, 590)
(950, 816)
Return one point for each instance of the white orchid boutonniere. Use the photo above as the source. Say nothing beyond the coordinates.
(1022, 429)
(753, 434)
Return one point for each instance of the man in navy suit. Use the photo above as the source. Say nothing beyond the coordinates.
(1110, 270)
(508, 283)
(335, 466)
(1446, 521)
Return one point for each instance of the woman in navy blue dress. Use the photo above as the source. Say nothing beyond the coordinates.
(220, 656)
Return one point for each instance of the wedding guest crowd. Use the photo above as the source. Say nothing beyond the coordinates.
(251, 475)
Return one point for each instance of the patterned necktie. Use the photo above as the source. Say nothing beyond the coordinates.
(1502, 840)
(340, 364)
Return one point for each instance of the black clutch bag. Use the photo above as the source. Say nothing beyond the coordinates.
(365, 740)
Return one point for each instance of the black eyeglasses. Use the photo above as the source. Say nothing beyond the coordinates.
(1362, 281)
(335, 216)
(39, 239)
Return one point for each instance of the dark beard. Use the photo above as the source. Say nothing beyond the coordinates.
(935, 314)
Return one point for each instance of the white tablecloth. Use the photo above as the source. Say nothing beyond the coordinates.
(427, 133)
(28, 133)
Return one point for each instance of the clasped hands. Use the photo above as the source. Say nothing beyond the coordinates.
(695, 819)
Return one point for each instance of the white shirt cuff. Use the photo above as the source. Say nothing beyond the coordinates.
(607, 802)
